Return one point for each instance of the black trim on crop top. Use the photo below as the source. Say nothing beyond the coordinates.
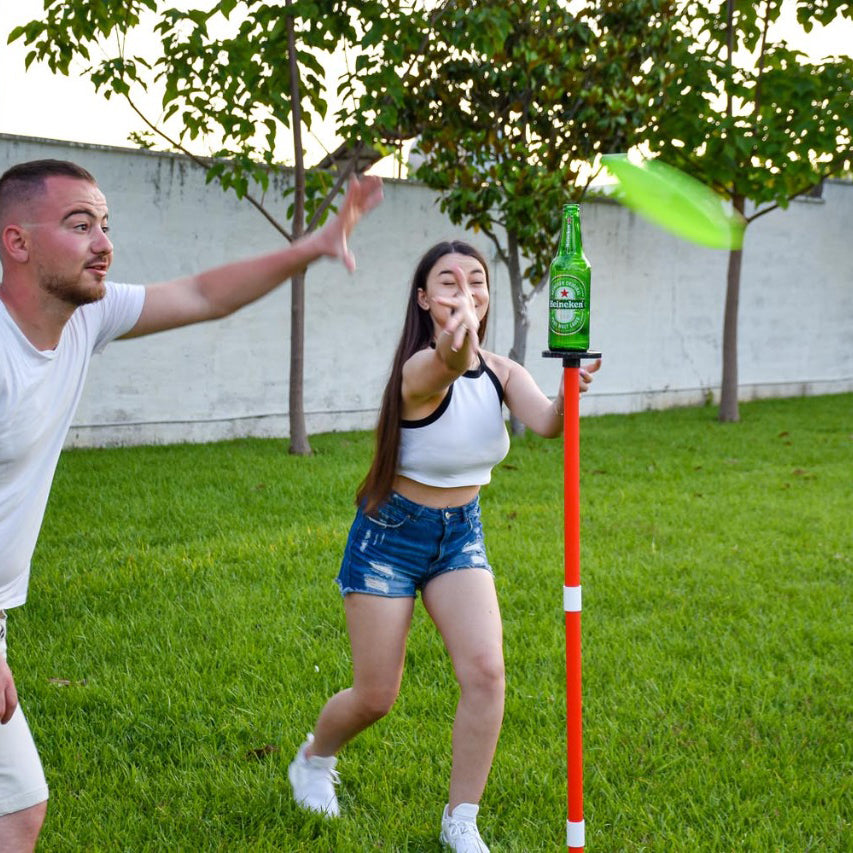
(442, 406)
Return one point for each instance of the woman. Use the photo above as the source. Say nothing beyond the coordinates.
(441, 430)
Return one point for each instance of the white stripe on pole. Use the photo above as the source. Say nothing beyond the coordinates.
(572, 599)
(575, 833)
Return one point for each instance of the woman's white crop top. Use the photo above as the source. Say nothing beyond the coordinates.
(463, 439)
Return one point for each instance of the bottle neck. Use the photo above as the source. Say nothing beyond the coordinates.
(570, 235)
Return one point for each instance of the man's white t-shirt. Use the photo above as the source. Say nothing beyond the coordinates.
(39, 393)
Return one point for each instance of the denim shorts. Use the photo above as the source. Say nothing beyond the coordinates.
(396, 551)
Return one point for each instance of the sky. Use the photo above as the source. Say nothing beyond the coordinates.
(37, 103)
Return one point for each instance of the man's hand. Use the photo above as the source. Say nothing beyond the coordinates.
(8, 694)
(363, 194)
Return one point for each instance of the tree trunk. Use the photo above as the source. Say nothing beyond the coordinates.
(520, 320)
(299, 444)
(729, 385)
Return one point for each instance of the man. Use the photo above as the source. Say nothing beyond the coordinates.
(56, 309)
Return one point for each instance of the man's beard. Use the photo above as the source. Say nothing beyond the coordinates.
(71, 290)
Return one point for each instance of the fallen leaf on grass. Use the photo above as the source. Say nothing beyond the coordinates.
(261, 752)
(64, 682)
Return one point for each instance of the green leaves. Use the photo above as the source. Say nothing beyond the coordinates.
(509, 99)
(224, 71)
(69, 28)
(822, 12)
(790, 118)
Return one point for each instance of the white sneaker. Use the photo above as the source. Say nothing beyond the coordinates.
(459, 830)
(313, 780)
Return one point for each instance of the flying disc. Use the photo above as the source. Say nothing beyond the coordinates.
(676, 202)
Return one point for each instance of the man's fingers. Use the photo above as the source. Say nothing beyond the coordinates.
(375, 193)
(367, 191)
(8, 703)
(362, 196)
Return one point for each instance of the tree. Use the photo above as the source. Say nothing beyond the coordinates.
(246, 89)
(755, 120)
(511, 100)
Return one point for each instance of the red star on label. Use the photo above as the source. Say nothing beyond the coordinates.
(564, 293)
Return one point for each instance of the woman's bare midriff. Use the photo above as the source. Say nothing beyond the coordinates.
(434, 496)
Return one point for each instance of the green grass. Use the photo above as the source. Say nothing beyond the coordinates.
(187, 594)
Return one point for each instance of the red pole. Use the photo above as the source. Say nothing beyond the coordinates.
(572, 604)
(572, 589)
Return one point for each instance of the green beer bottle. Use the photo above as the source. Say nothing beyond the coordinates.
(568, 304)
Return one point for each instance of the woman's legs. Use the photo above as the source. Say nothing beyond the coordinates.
(377, 629)
(464, 606)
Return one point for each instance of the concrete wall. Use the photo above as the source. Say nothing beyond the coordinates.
(657, 308)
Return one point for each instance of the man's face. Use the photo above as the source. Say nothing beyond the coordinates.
(69, 244)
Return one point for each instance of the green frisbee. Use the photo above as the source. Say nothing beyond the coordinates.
(676, 202)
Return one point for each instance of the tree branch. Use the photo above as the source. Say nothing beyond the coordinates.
(837, 168)
(759, 79)
(761, 54)
(341, 179)
(206, 165)
(538, 287)
(402, 135)
(499, 250)
(591, 178)
(296, 112)
(437, 13)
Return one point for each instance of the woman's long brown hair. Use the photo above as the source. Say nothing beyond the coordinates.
(417, 334)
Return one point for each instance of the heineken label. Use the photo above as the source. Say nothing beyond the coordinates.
(568, 305)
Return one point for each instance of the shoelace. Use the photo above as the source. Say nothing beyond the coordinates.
(333, 774)
(459, 829)
(321, 770)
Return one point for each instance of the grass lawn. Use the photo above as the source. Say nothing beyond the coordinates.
(184, 629)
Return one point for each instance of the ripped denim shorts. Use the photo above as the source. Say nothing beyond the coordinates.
(396, 551)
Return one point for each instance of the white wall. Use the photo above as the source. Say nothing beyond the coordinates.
(657, 308)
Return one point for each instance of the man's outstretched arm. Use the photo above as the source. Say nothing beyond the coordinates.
(222, 290)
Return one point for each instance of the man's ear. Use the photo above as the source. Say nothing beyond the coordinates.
(16, 243)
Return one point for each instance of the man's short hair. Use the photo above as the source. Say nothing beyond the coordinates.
(25, 181)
